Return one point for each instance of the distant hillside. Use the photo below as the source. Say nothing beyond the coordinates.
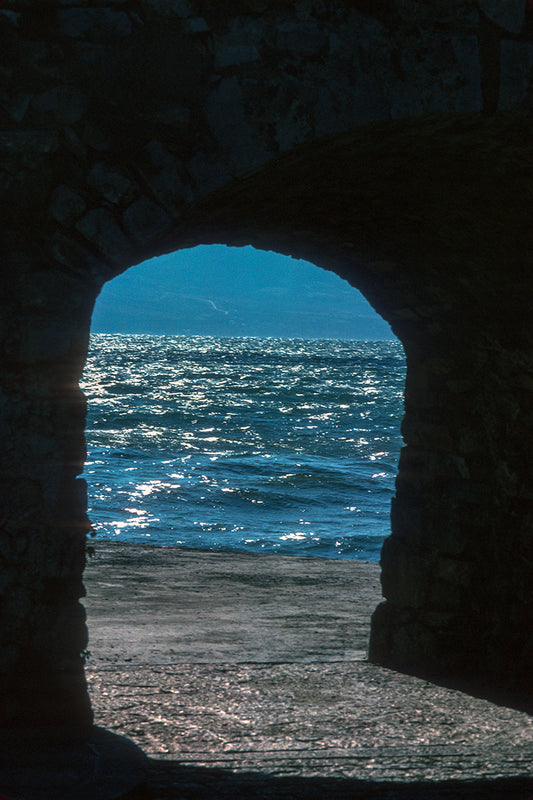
(221, 291)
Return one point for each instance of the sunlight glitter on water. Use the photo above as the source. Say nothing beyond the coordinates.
(265, 445)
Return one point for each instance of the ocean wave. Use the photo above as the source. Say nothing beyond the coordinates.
(280, 445)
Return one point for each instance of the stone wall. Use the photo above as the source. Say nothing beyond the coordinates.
(348, 133)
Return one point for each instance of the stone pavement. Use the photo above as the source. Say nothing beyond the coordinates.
(246, 676)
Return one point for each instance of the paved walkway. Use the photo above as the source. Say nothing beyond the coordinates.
(246, 676)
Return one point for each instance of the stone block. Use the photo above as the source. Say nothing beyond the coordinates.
(466, 49)
(172, 8)
(225, 112)
(457, 465)
(453, 540)
(96, 138)
(178, 116)
(207, 172)
(146, 221)
(162, 174)
(451, 14)
(302, 39)
(195, 25)
(13, 17)
(65, 103)
(81, 496)
(452, 570)
(16, 105)
(66, 206)
(445, 596)
(100, 228)
(94, 24)
(5, 582)
(508, 14)
(245, 30)
(368, 103)
(158, 155)
(45, 342)
(18, 603)
(525, 381)
(231, 55)
(109, 183)
(406, 573)
(329, 112)
(67, 250)
(28, 142)
(516, 65)
(9, 655)
(293, 128)
(405, 100)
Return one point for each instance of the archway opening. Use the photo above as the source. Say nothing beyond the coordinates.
(282, 440)
(242, 400)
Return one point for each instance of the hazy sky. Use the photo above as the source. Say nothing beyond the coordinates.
(229, 291)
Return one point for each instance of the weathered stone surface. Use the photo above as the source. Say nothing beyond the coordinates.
(258, 609)
(230, 55)
(302, 38)
(65, 103)
(179, 8)
(109, 183)
(225, 112)
(24, 142)
(62, 765)
(66, 206)
(466, 49)
(510, 14)
(177, 116)
(12, 16)
(516, 69)
(161, 172)
(226, 117)
(15, 105)
(146, 221)
(94, 24)
(70, 253)
(196, 25)
(100, 228)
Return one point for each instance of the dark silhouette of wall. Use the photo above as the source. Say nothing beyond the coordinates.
(388, 142)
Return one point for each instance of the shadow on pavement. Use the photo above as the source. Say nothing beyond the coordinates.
(169, 780)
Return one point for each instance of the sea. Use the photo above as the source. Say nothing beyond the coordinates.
(263, 445)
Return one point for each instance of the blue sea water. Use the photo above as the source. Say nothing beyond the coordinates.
(266, 445)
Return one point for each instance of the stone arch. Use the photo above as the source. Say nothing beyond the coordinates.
(308, 130)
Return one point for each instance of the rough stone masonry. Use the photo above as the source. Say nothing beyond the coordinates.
(388, 141)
